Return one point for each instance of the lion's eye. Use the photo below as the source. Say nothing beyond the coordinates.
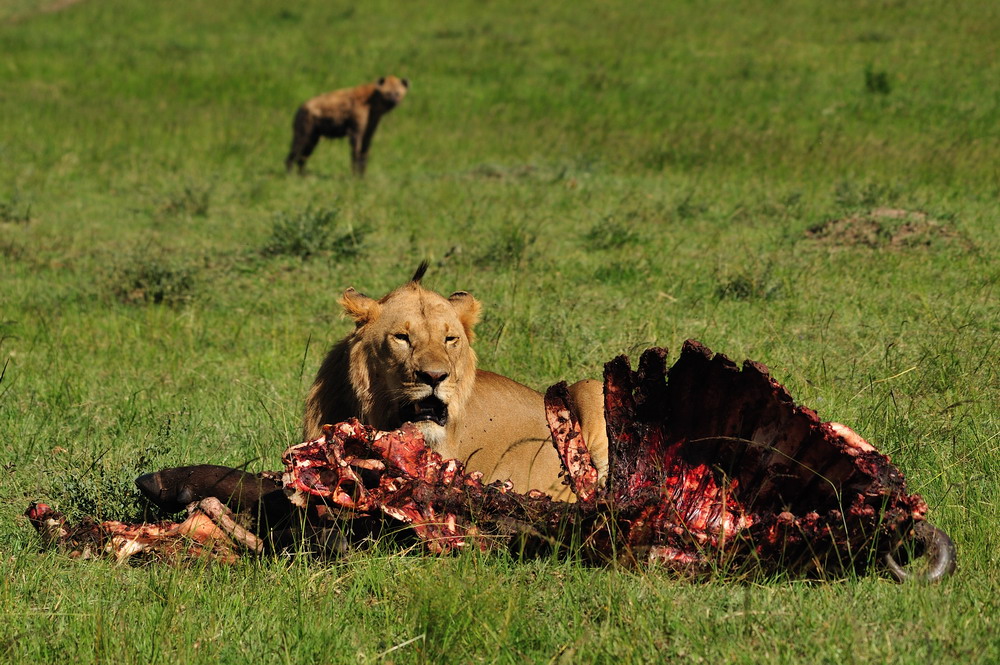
(402, 337)
(451, 339)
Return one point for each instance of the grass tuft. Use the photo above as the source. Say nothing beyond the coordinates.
(189, 201)
(154, 279)
(850, 195)
(105, 490)
(611, 233)
(877, 81)
(313, 232)
(14, 209)
(510, 248)
(749, 285)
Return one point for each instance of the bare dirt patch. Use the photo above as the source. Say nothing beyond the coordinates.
(892, 228)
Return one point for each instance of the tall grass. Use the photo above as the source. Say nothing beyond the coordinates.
(604, 176)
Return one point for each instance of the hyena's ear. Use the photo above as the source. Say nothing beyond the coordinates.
(406, 83)
(359, 307)
(467, 308)
(381, 81)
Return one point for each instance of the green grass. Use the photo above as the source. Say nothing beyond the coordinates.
(604, 176)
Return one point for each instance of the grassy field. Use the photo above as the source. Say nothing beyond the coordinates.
(605, 176)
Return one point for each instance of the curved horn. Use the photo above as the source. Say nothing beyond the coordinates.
(937, 545)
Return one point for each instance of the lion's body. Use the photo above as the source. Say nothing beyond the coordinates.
(351, 112)
(493, 424)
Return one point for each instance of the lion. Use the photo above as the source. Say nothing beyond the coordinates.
(351, 112)
(410, 359)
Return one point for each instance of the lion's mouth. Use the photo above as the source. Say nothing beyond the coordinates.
(429, 409)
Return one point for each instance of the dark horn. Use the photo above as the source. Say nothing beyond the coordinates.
(937, 545)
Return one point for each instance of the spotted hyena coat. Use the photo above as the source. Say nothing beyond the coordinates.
(351, 112)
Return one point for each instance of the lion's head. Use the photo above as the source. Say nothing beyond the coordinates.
(410, 357)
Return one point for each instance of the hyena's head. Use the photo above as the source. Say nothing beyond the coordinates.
(392, 89)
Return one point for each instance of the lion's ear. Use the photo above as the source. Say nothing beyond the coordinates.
(468, 310)
(359, 307)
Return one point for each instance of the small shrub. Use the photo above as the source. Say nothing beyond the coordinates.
(192, 201)
(620, 273)
(11, 250)
(749, 285)
(874, 37)
(509, 248)
(106, 490)
(143, 279)
(877, 82)
(688, 209)
(851, 196)
(792, 200)
(14, 210)
(611, 234)
(311, 232)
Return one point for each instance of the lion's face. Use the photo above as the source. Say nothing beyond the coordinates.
(411, 359)
(392, 89)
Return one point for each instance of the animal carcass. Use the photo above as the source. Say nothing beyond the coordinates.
(712, 468)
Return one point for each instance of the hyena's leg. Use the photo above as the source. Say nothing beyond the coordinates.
(358, 153)
(360, 146)
(304, 140)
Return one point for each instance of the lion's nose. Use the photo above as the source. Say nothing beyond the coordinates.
(431, 377)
